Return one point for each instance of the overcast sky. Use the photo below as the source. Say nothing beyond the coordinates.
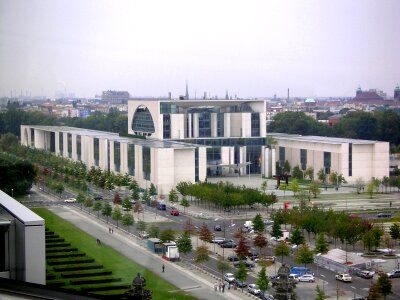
(250, 48)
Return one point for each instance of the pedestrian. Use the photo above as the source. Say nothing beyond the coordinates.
(215, 286)
(223, 287)
(390, 203)
(229, 285)
(109, 229)
(112, 230)
(97, 241)
(163, 268)
(220, 286)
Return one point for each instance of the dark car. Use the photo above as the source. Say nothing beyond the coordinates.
(365, 274)
(217, 228)
(225, 241)
(240, 284)
(228, 245)
(253, 255)
(247, 263)
(174, 212)
(233, 258)
(98, 197)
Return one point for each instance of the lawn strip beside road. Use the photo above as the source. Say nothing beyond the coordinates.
(120, 265)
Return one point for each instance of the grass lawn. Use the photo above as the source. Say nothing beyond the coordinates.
(120, 265)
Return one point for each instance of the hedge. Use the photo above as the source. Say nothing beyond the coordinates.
(78, 267)
(66, 261)
(55, 245)
(85, 273)
(61, 249)
(65, 254)
(105, 287)
(102, 279)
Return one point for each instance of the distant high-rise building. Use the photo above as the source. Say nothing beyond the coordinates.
(115, 96)
(397, 93)
(187, 91)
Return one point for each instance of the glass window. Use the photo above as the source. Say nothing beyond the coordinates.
(204, 124)
(53, 142)
(350, 159)
(142, 121)
(131, 159)
(282, 156)
(117, 156)
(96, 151)
(61, 142)
(255, 124)
(166, 126)
(146, 162)
(196, 164)
(327, 162)
(32, 137)
(69, 139)
(303, 159)
(78, 146)
(220, 125)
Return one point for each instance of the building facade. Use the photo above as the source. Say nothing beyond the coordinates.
(190, 140)
(354, 159)
(22, 242)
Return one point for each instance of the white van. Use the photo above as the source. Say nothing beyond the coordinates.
(248, 224)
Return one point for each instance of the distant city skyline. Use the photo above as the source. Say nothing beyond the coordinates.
(260, 48)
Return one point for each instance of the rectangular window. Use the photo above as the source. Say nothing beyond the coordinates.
(69, 140)
(131, 159)
(146, 162)
(204, 124)
(327, 162)
(61, 143)
(282, 156)
(117, 156)
(96, 151)
(52, 142)
(78, 146)
(303, 159)
(32, 137)
(255, 124)
(220, 125)
(196, 164)
(350, 159)
(166, 126)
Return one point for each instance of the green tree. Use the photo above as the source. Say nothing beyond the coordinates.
(321, 244)
(106, 211)
(80, 199)
(309, 173)
(297, 173)
(128, 220)
(201, 255)
(258, 223)
(153, 190)
(97, 207)
(395, 231)
(282, 250)
(264, 186)
(141, 225)
(276, 231)
(305, 255)
(117, 214)
(286, 167)
(173, 196)
(88, 203)
(154, 231)
(167, 235)
(184, 243)
(241, 273)
(222, 266)
(59, 189)
(314, 189)
(368, 240)
(294, 186)
(377, 234)
(262, 280)
(185, 203)
(371, 186)
(260, 241)
(321, 175)
(320, 294)
(297, 238)
(384, 285)
(126, 204)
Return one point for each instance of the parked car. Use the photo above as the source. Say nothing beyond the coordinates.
(300, 271)
(365, 274)
(268, 222)
(70, 200)
(229, 277)
(233, 257)
(98, 197)
(217, 240)
(343, 277)
(306, 278)
(384, 215)
(247, 263)
(394, 274)
(217, 227)
(240, 284)
(266, 296)
(253, 289)
(228, 245)
(225, 241)
(253, 255)
(143, 234)
(174, 212)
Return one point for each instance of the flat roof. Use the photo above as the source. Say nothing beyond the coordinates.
(154, 143)
(19, 211)
(319, 139)
(201, 102)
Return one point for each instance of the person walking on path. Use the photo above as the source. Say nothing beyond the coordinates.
(112, 230)
(219, 286)
(223, 287)
(215, 286)
(109, 229)
(163, 268)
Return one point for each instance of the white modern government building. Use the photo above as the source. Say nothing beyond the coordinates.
(190, 140)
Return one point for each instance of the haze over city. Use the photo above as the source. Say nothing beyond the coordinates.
(149, 48)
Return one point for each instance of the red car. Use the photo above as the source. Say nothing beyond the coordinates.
(174, 212)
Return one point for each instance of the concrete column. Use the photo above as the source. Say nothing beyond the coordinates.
(195, 125)
(214, 125)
